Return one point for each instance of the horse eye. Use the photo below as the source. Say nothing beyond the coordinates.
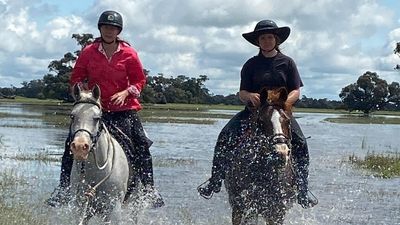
(71, 116)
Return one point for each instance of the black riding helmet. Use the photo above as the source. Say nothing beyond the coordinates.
(110, 17)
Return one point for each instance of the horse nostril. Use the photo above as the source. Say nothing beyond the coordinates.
(73, 146)
(85, 147)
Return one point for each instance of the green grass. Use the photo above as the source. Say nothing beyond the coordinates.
(56, 113)
(191, 107)
(382, 165)
(18, 215)
(171, 162)
(35, 101)
(44, 157)
(357, 119)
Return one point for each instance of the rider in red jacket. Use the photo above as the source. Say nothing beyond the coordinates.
(114, 66)
(123, 71)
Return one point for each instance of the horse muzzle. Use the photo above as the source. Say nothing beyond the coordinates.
(80, 148)
(282, 152)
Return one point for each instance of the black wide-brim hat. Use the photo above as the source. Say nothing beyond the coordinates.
(267, 27)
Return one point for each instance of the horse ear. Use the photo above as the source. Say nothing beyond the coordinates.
(96, 92)
(283, 94)
(76, 92)
(263, 96)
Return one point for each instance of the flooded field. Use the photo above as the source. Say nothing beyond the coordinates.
(182, 160)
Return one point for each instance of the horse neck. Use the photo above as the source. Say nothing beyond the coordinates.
(103, 150)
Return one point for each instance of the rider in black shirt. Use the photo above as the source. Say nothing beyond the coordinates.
(270, 68)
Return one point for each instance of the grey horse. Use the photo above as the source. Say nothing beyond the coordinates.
(100, 170)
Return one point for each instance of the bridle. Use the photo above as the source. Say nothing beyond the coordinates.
(93, 137)
(277, 138)
(90, 192)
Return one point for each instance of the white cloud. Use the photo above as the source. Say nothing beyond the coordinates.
(332, 41)
(63, 27)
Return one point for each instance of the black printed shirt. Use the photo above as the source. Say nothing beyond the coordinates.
(278, 71)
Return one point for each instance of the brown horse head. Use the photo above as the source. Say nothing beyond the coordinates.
(274, 117)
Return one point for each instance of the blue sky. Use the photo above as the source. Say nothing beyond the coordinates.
(332, 42)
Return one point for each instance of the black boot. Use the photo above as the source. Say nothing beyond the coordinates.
(301, 162)
(217, 171)
(303, 197)
(213, 186)
(301, 167)
(61, 194)
(150, 193)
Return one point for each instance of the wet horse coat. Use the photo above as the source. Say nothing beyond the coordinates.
(100, 171)
(260, 178)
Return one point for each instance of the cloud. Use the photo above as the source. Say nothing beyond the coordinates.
(332, 42)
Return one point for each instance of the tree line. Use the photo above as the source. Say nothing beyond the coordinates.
(368, 94)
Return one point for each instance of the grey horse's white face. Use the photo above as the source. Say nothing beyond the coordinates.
(85, 122)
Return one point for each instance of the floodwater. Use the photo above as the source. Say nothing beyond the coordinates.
(182, 160)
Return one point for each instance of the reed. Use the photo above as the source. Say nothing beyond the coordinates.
(12, 212)
(382, 165)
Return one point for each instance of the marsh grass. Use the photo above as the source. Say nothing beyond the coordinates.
(172, 162)
(176, 120)
(58, 115)
(358, 119)
(44, 157)
(12, 212)
(382, 165)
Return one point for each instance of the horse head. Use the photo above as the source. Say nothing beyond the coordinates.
(85, 124)
(273, 119)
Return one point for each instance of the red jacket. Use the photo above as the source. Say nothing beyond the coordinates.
(123, 71)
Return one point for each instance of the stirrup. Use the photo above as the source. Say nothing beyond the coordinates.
(308, 201)
(208, 190)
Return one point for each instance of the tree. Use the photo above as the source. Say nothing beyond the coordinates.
(33, 89)
(397, 52)
(56, 84)
(368, 94)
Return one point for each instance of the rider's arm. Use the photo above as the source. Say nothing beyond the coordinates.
(293, 96)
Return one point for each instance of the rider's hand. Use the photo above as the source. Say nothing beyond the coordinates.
(119, 98)
(253, 99)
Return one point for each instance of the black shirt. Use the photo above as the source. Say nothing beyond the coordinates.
(277, 71)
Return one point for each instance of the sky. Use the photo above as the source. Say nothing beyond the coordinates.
(333, 42)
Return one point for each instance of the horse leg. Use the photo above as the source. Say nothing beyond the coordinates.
(237, 215)
(250, 217)
(113, 213)
(85, 221)
(274, 216)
